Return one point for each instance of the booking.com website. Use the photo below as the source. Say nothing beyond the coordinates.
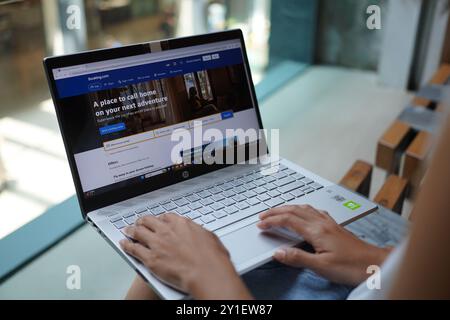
(119, 119)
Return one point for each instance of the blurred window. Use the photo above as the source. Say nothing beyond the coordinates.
(31, 147)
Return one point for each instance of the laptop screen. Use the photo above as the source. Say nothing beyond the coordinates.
(118, 116)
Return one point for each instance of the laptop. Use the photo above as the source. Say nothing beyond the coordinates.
(119, 111)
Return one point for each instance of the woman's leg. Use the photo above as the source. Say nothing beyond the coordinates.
(140, 290)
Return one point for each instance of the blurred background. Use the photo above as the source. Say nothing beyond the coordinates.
(322, 73)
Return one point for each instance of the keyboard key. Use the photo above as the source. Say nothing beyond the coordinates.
(164, 202)
(203, 194)
(307, 180)
(253, 201)
(279, 175)
(169, 206)
(228, 194)
(183, 210)
(297, 193)
(263, 197)
(127, 215)
(250, 186)
(242, 205)
(231, 209)
(120, 224)
(115, 219)
(207, 201)
(249, 194)
(205, 210)
(289, 171)
(199, 221)
(298, 176)
(259, 183)
(193, 215)
(287, 197)
(260, 190)
(217, 206)
(246, 179)
(195, 205)
(131, 220)
(304, 188)
(273, 193)
(284, 181)
(290, 186)
(215, 190)
(239, 189)
(225, 221)
(192, 198)
(141, 210)
(239, 198)
(181, 202)
(157, 210)
(227, 202)
(220, 214)
(270, 186)
(226, 186)
(274, 202)
(237, 183)
(218, 197)
(308, 190)
(316, 185)
(207, 219)
(269, 179)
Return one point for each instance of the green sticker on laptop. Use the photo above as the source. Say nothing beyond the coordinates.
(352, 205)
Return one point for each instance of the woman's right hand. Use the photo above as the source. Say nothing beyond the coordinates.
(339, 255)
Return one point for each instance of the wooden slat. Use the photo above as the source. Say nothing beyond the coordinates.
(440, 107)
(440, 77)
(391, 144)
(415, 155)
(392, 193)
(358, 178)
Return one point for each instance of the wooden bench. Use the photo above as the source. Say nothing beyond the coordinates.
(440, 77)
(402, 142)
(358, 178)
(415, 155)
(392, 144)
(391, 195)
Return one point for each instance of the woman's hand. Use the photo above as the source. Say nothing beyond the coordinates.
(339, 255)
(186, 255)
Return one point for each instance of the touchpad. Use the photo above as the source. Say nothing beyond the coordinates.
(249, 245)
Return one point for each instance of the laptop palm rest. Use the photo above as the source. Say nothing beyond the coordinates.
(250, 247)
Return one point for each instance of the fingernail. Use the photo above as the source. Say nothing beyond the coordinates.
(261, 225)
(280, 254)
(122, 242)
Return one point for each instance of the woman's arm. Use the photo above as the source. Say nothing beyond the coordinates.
(425, 271)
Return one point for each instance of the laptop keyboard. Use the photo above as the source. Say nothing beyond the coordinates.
(231, 200)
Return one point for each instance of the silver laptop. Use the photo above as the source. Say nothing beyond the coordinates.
(120, 111)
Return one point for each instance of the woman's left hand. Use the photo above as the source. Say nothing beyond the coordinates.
(186, 255)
